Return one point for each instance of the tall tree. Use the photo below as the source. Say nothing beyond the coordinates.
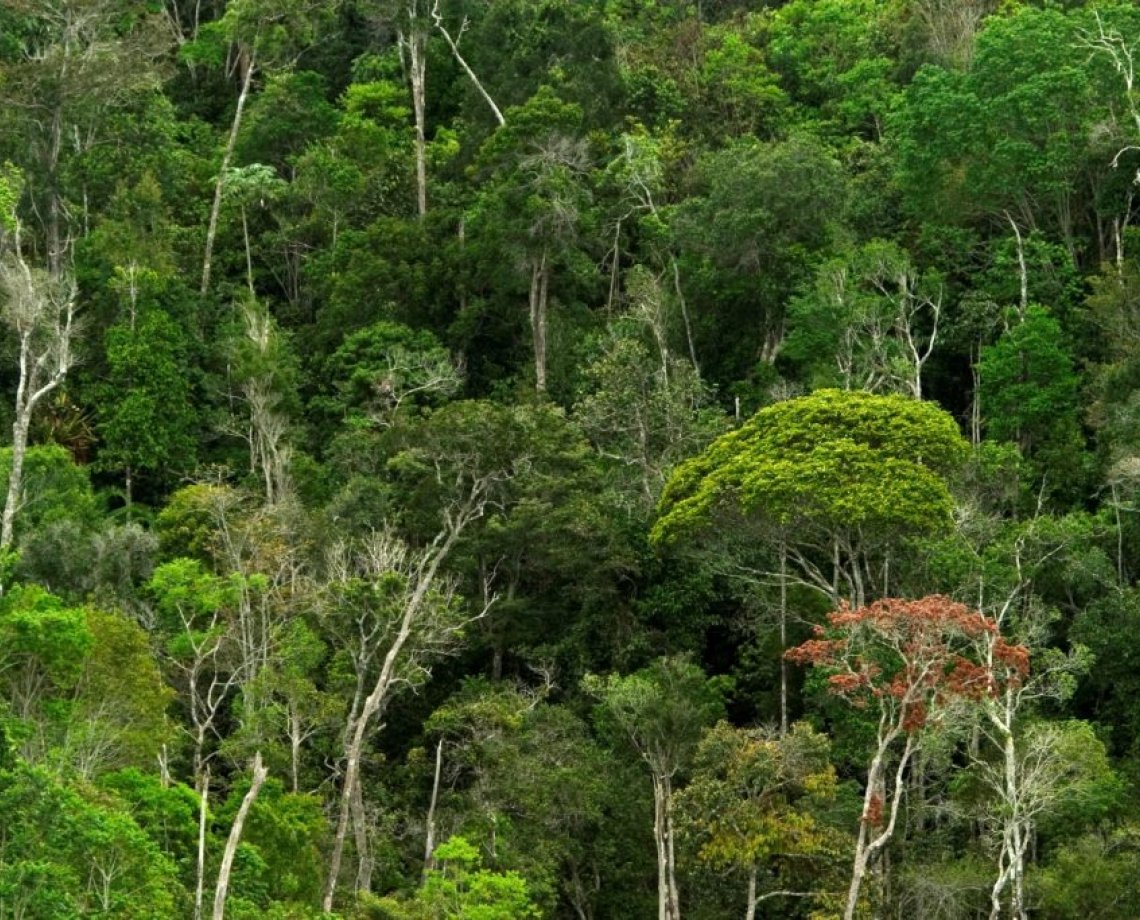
(40, 310)
(907, 663)
(661, 712)
(81, 61)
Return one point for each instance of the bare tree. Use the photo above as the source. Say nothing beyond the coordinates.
(453, 44)
(40, 310)
(888, 317)
(265, 358)
(410, 375)
(951, 27)
(402, 613)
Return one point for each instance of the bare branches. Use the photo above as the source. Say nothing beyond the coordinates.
(453, 44)
(41, 310)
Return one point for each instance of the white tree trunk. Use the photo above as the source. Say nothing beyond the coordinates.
(219, 184)
(260, 772)
(750, 910)
(453, 44)
(200, 870)
(15, 478)
(414, 42)
(539, 283)
(865, 846)
(668, 897)
(429, 841)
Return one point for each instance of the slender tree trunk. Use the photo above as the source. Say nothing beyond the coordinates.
(55, 206)
(429, 842)
(668, 897)
(684, 314)
(1023, 271)
(341, 833)
(219, 184)
(615, 267)
(461, 235)
(750, 910)
(437, 17)
(1119, 536)
(260, 772)
(200, 870)
(976, 397)
(662, 859)
(538, 295)
(417, 74)
(783, 639)
(360, 836)
(295, 739)
(670, 854)
(248, 253)
(15, 478)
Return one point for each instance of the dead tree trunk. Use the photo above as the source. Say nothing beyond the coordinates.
(453, 44)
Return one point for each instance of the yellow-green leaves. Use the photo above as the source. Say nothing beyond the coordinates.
(834, 459)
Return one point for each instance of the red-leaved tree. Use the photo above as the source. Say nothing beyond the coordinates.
(908, 662)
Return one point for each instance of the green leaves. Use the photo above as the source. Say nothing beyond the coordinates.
(43, 645)
(661, 710)
(833, 461)
(58, 838)
(461, 890)
(751, 797)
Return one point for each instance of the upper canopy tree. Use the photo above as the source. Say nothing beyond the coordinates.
(837, 478)
(259, 35)
(79, 62)
(749, 238)
(1008, 140)
(909, 663)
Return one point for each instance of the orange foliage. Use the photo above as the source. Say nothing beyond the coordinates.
(874, 813)
(912, 656)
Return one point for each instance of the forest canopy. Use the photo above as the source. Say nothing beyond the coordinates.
(503, 459)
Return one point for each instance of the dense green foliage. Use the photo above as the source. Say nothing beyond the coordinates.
(502, 459)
